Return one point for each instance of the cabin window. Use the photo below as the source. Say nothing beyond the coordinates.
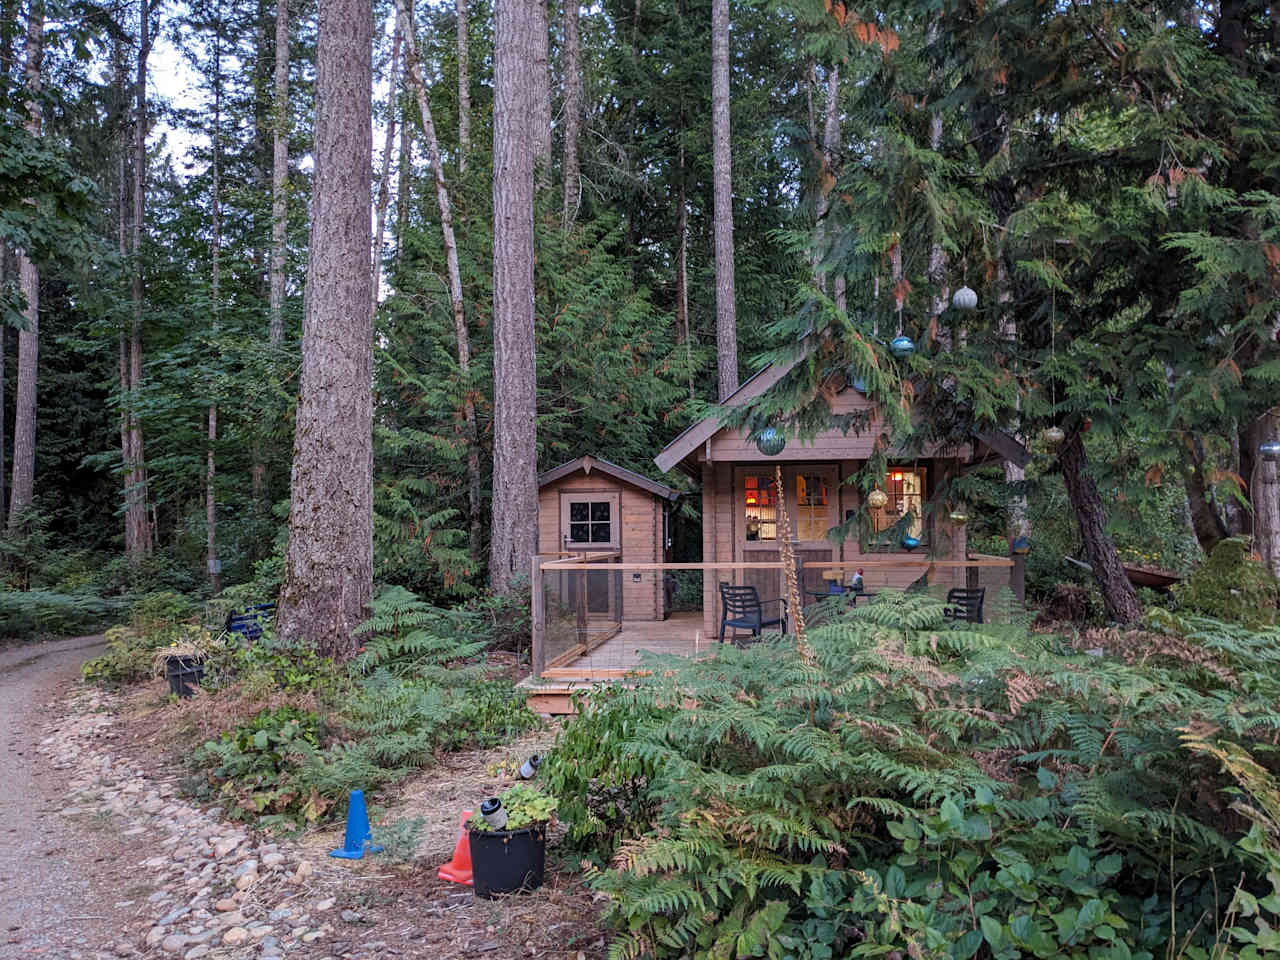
(903, 512)
(812, 518)
(760, 503)
(589, 522)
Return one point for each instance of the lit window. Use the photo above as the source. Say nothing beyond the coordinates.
(904, 488)
(760, 502)
(812, 521)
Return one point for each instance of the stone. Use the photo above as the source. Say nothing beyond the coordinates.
(351, 916)
(196, 952)
(313, 936)
(223, 847)
(305, 869)
(155, 935)
(280, 913)
(173, 943)
(323, 905)
(259, 932)
(235, 936)
(272, 859)
(174, 915)
(225, 905)
(249, 866)
(246, 880)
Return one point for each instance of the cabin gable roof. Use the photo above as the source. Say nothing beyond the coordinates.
(588, 463)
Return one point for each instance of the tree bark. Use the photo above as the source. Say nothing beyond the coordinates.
(384, 181)
(215, 258)
(541, 80)
(22, 490)
(722, 163)
(138, 533)
(1117, 592)
(571, 68)
(519, 29)
(464, 83)
(1206, 522)
(413, 64)
(827, 175)
(279, 171)
(1265, 494)
(404, 186)
(328, 578)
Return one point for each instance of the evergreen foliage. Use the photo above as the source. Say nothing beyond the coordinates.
(1232, 585)
(969, 792)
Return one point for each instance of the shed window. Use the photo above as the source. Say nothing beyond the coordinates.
(760, 503)
(904, 509)
(590, 521)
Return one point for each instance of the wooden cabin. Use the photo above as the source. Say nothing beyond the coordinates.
(740, 508)
(590, 506)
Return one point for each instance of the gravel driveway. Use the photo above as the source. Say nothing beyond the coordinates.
(56, 898)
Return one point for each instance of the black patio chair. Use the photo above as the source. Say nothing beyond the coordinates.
(742, 609)
(965, 604)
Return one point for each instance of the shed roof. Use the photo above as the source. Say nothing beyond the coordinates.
(1005, 445)
(588, 463)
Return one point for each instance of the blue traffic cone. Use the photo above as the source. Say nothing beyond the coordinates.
(359, 835)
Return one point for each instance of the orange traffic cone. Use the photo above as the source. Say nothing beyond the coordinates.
(458, 870)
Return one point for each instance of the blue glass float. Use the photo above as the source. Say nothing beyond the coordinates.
(909, 542)
(902, 346)
(771, 441)
(1020, 546)
(860, 385)
(1270, 450)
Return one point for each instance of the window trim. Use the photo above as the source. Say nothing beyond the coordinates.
(830, 472)
(926, 527)
(614, 499)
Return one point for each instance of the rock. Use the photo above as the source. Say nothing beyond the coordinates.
(174, 915)
(351, 916)
(173, 943)
(196, 952)
(246, 880)
(225, 905)
(155, 936)
(259, 932)
(272, 859)
(249, 866)
(235, 936)
(223, 847)
(323, 905)
(280, 913)
(313, 936)
(305, 869)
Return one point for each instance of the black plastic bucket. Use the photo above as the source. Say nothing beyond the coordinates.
(504, 861)
(183, 673)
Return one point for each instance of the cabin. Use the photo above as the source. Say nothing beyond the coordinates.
(595, 510)
(604, 574)
(740, 505)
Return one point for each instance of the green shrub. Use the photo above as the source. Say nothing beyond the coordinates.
(936, 790)
(1231, 585)
(525, 805)
(38, 614)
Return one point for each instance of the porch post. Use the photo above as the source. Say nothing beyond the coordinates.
(1018, 577)
(538, 619)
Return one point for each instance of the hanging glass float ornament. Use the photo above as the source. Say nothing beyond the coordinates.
(1054, 436)
(959, 518)
(771, 441)
(1270, 450)
(876, 499)
(964, 299)
(909, 542)
(902, 346)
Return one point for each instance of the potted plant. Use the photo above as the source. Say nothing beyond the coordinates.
(509, 841)
(182, 662)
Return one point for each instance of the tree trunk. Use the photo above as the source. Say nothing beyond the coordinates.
(122, 245)
(384, 182)
(138, 533)
(404, 185)
(518, 32)
(571, 68)
(475, 491)
(328, 578)
(1117, 592)
(1265, 494)
(215, 258)
(22, 491)
(1206, 522)
(827, 176)
(464, 84)
(722, 164)
(279, 171)
(541, 81)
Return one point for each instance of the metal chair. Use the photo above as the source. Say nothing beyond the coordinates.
(965, 604)
(742, 609)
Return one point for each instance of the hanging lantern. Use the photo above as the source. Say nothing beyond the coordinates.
(771, 441)
(876, 499)
(1054, 436)
(959, 518)
(909, 542)
(902, 346)
(1270, 450)
(964, 299)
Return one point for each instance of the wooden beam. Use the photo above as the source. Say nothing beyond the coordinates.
(538, 618)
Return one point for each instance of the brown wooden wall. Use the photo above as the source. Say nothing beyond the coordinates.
(640, 536)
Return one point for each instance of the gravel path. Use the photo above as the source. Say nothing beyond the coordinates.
(52, 887)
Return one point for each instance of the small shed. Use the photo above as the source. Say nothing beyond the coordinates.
(590, 505)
